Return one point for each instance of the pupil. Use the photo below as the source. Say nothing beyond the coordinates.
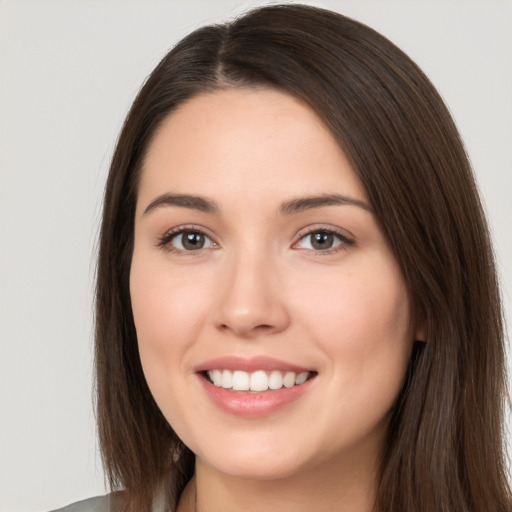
(322, 240)
(193, 241)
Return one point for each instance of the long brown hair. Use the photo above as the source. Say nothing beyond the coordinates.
(445, 444)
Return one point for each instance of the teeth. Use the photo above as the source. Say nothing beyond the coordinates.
(275, 380)
(289, 379)
(240, 381)
(227, 379)
(256, 381)
(301, 378)
(216, 376)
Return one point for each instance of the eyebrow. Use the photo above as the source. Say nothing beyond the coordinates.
(287, 208)
(183, 201)
(306, 203)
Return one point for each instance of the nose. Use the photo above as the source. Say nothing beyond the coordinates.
(251, 300)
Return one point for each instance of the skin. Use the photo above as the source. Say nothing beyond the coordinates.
(259, 288)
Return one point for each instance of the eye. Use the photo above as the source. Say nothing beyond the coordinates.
(322, 240)
(187, 240)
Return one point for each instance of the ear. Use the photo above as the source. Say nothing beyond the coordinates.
(420, 331)
(419, 324)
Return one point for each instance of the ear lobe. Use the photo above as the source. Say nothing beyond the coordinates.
(419, 333)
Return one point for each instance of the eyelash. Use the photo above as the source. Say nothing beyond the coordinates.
(165, 241)
(344, 241)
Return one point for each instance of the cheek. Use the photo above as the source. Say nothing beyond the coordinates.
(166, 309)
(167, 321)
(366, 304)
(166, 306)
(361, 320)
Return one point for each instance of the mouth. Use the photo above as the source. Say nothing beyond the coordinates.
(254, 387)
(256, 381)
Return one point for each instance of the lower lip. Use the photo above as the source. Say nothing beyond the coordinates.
(253, 405)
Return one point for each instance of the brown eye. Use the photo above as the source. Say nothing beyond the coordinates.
(322, 240)
(192, 241)
(189, 240)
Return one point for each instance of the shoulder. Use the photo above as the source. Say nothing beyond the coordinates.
(110, 503)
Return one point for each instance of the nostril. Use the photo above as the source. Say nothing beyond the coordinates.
(247, 317)
(248, 331)
(264, 327)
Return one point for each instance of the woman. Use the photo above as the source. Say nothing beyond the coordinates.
(296, 304)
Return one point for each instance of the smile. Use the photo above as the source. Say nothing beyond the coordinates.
(254, 387)
(257, 381)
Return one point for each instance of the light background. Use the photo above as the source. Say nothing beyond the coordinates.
(69, 70)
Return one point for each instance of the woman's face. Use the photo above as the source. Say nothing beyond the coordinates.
(273, 322)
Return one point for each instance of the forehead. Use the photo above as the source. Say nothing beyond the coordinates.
(249, 142)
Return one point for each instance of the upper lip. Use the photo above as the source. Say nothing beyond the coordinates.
(251, 364)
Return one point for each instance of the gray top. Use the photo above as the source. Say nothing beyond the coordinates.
(110, 503)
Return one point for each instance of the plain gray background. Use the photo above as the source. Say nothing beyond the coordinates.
(69, 70)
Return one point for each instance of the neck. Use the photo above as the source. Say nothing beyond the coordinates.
(324, 488)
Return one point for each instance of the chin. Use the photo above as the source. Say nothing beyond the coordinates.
(257, 467)
(254, 459)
